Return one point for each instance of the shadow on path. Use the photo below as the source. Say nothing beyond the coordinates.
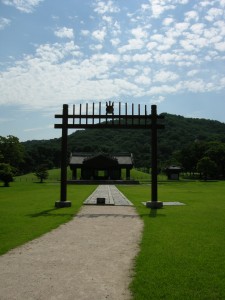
(106, 215)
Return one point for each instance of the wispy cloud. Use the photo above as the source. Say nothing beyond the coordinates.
(26, 6)
(102, 7)
(117, 58)
(64, 32)
(35, 129)
(4, 22)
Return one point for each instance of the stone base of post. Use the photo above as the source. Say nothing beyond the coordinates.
(154, 204)
(60, 204)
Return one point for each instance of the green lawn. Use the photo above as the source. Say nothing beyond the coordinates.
(54, 175)
(182, 252)
(27, 210)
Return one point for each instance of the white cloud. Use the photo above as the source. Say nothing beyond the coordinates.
(56, 52)
(107, 19)
(187, 45)
(103, 7)
(222, 3)
(159, 7)
(213, 13)
(147, 57)
(54, 80)
(165, 76)
(4, 22)
(221, 26)
(160, 53)
(105, 58)
(195, 85)
(181, 27)
(143, 80)
(205, 3)
(210, 33)
(151, 45)
(161, 42)
(191, 15)
(145, 7)
(64, 32)
(85, 32)
(182, 1)
(26, 6)
(94, 47)
(157, 37)
(222, 81)
(220, 46)
(115, 28)
(157, 100)
(130, 71)
(139, 33)
(133, 44)
(192, 73)
(198, 28)
(168, 21)
(162, 89)
(99, 34)
(115, 42)
(35, 129)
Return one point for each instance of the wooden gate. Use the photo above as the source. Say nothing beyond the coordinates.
(121, 117)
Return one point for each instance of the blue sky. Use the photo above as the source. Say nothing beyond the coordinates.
(165, 52)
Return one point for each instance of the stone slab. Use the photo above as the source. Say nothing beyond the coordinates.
(169, 203)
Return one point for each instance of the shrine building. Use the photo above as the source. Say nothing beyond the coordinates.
(100, 166)
(173, 172)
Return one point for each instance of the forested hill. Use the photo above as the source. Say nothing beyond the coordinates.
(179, 132)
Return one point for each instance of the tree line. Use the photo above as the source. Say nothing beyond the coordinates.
(197, 145)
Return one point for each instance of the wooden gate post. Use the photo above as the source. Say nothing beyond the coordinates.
(154, 153)
(154, 203)
(63, 189)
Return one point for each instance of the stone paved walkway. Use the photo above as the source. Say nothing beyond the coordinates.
(111, 194)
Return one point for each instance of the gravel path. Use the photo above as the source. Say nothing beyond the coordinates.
(90, 257)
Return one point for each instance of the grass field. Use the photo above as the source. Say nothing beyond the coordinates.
(54, 175)
(182, 253)
(27, 210)
(183, 247)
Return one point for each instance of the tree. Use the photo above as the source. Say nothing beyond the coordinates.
(12, 150)
(207, 167)
(190, 155)
(6, 174)
(42, 173)
(216, 152)
(1, 157)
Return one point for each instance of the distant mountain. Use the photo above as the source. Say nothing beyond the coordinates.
(178, 133)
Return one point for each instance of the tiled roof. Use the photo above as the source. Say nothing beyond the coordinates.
(78, 158)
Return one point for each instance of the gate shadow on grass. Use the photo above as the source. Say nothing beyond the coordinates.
(153, 213)
(48, 213)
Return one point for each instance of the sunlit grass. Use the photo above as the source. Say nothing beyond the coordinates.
(54, 175)
(182, 250)
(27, 210)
